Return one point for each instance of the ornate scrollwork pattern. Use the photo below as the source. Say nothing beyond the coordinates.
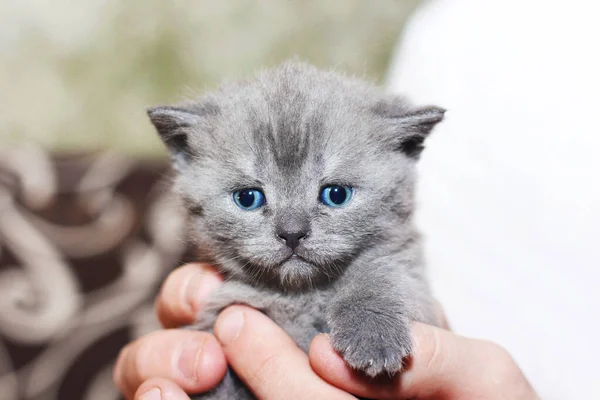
(84, 243)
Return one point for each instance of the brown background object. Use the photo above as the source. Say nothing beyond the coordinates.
(85, 242)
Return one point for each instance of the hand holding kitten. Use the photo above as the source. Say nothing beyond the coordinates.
(443, 364)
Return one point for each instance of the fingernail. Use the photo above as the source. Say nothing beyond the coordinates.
(188, 359)
(152, 394)
(198, 287)
(229, 325)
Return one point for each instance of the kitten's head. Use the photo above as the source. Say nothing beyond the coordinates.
(291, 174)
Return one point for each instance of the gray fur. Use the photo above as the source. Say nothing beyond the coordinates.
(289, 131)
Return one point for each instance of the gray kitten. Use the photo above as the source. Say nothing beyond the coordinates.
(299, 184)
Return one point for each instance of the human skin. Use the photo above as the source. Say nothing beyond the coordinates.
(165, 365)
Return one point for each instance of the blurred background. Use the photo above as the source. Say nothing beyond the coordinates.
(508, 196)
(77, 76)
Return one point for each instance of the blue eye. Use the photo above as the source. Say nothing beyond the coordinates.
(249, 199)
(336, 196)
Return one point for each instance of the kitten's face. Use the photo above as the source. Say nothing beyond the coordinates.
(289, 176)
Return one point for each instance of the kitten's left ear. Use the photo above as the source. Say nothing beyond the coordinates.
(411, 126)
(171, 123)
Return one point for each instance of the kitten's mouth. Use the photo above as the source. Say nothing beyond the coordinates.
(295, 258)
(293, 271)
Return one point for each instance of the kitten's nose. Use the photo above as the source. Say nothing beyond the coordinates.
(292, 239)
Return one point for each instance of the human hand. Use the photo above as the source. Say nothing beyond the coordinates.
(443, 365)
(174, 361)
(167, 364)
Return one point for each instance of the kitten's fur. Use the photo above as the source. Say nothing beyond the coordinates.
(290, 131)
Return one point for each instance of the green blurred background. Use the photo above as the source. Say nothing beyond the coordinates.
(77, 75)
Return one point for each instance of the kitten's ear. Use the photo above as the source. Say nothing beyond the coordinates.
(170, 123)
(415, 126)
(411, 126)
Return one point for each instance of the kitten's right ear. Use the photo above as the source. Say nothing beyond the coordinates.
(171, 123)
(414, 126)
(410, 125)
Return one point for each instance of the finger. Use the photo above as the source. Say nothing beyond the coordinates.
(447, 364)
(437, 367)
(184, 292)
(193, 360)
(267, 359)
(160, 389)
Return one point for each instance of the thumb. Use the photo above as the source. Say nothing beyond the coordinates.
(442, 365)
(446, 364)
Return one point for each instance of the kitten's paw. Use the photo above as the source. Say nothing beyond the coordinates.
(371, 342)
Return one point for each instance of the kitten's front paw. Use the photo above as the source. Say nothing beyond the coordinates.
(371, 342)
